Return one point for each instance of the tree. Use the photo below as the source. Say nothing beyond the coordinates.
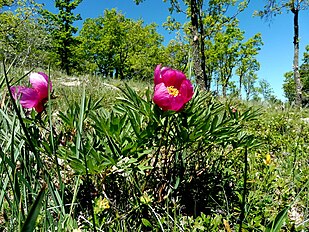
(248, 82)
(248, 64)
(306, 55)
(62, 30)
(177, 54)
(227, 54)
(22, 38)
(266, 90)
(289, 86)
(289, 83)
(216, 45)
(227, 45)
(121, 47)
(17, 4)
(200, 13)
(295, 6)
(6, 3)
(144, 50)
(100, 37)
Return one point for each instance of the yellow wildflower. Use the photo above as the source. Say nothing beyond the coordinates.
(101, 205)
(267, 160)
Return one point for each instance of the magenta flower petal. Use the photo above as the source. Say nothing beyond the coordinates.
(15, 90)
(36, 96)
(39, 82)
(27, 97)
(186, 90)
(157, 75)
(172, 89)
(161, 96)
(172, 77)
(176, 103)
(165, 100)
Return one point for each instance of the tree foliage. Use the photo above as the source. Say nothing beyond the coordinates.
(273, 7)
(206, 19)
(228, 54)
(115, 46)
(177, 54)
(216, 43)
(6, 3)
(120, 47)
(248, 64)
(22, 38)
(289, 83)
(249, 85)
(61, 28)
(227, 45)
(266, 90)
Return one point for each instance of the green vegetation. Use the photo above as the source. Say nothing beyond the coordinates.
(114, 46)
(114, 159)
(289, 91)
(274, 7)
(120, 47)
(103, 157)
(61, 30)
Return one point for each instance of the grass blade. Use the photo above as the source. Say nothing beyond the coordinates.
(276, 225)
(29, 224)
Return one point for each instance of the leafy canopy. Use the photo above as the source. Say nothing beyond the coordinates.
(120, 47)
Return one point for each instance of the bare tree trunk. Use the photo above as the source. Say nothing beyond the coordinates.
(248, 94)
(240, 85)
(195, 44)
(202, 49)
(224, 87)
(298, 85)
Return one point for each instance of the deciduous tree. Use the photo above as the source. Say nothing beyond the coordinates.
(248, 63)
(22, 38)
(289, 83)
(200, 13)
(248, 82)
(61, 28)
(266, 90)
(121, 47)
(177, 55)
(274, 7)
(227, 46)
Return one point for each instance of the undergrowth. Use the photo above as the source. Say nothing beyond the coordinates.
(103, 157)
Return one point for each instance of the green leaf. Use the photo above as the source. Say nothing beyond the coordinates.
(276, 225)
(146, 222)
(29, 224)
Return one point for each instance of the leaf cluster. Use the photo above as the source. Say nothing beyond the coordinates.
(289, 83)
(119, 46)
(138, 149)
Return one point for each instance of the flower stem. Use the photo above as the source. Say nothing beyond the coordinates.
(242, 213)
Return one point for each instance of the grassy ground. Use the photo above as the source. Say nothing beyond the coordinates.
(106, 156)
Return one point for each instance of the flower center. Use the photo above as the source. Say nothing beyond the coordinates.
(173, 91)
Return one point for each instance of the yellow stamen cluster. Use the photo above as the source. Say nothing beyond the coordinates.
(173, 91)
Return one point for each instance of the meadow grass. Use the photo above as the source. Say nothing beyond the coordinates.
(103, 157)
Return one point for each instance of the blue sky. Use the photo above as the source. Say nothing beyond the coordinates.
(276, 55)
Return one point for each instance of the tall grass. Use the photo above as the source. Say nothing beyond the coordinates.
(103, 157)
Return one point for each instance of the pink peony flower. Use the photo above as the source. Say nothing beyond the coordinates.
(34, 97)
(172, 89)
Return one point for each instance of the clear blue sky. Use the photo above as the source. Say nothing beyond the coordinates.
(276, 55)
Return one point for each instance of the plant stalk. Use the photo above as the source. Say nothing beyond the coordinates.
(244, 193)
